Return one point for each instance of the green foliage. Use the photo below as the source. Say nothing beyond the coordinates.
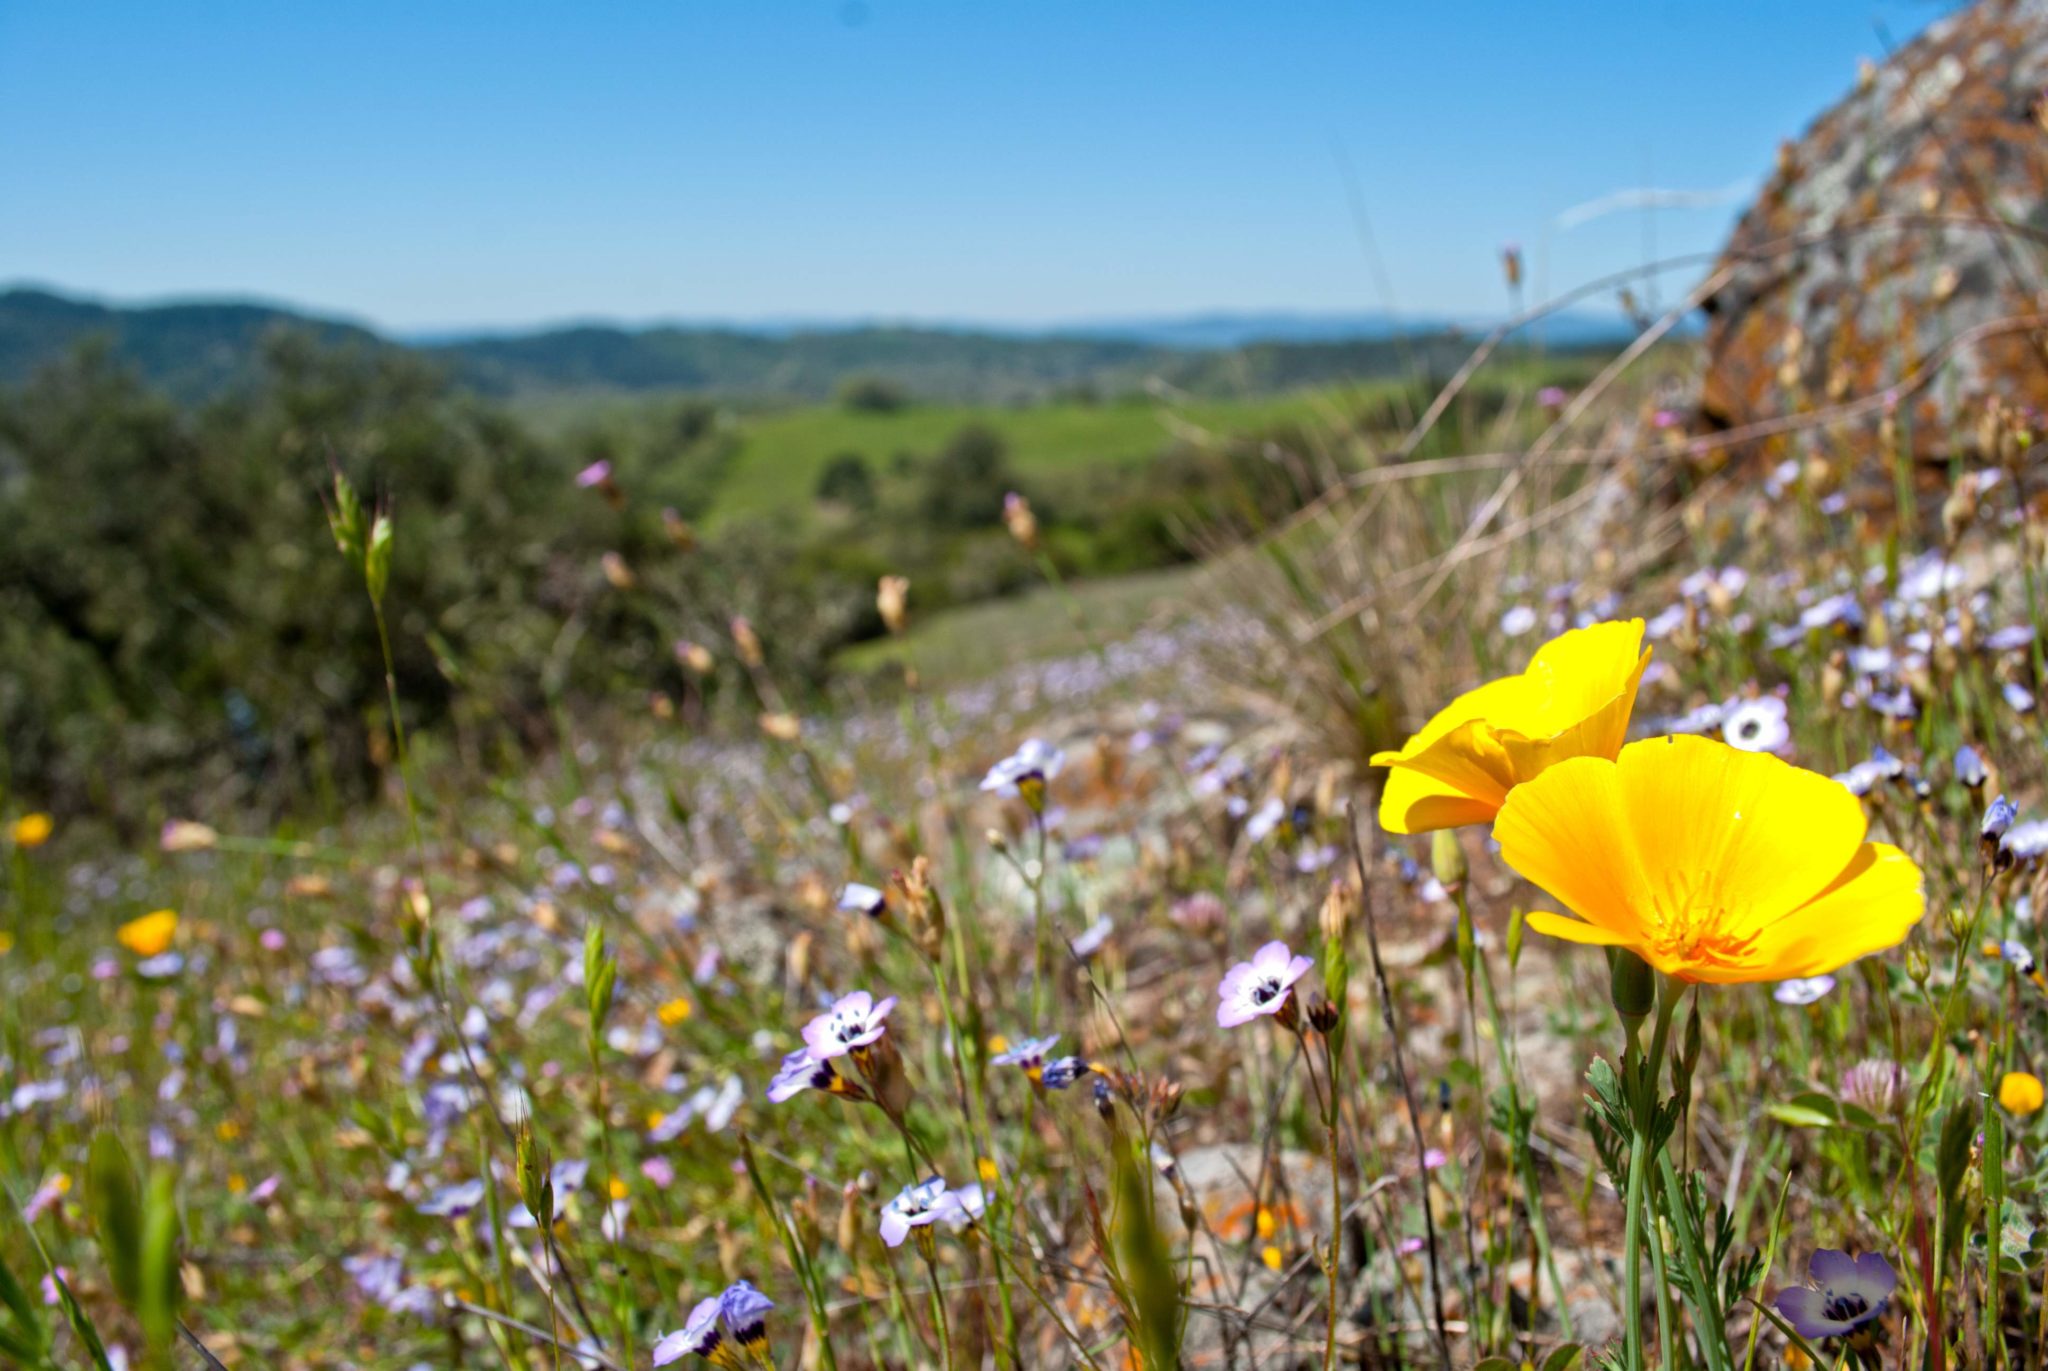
(872, 395)
(847, 480)
(964, 484)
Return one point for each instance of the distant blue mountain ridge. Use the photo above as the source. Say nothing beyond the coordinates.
(194, 350)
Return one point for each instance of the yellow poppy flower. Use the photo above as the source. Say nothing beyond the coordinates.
(1710, 863)
(2020, 1092)
(1574, 700)
(150, 935)
(32, 830)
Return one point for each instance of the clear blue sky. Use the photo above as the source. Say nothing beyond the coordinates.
(439, 163)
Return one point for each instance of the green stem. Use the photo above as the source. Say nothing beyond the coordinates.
(1632, 1246)
(1643, 1076)
(1524, 1158)
(939, 1319)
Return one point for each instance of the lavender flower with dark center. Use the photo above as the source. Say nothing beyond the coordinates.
(915, 1206)
(1025, 772)
(1803, 990)
(801, 1071)
(723, 1329)
(1029, 1054)
(1262, 986)
(1969, 766)
(959, 1208)
(2020, 958)
(856, 898)
(854, 1021)
(745, 1312)
(453, 1201)
(1058, 1075)
(1091, 938)
(700, 1335)
(1846, 1293)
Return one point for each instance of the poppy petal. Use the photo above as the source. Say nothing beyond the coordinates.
(1567, 833)
(1873, 905)
(1760, 836)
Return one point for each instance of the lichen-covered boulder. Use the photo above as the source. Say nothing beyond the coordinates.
(1904, 236)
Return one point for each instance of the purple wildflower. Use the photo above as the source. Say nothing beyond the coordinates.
(1846, 1293)
(854, 1021)
(1262, 985)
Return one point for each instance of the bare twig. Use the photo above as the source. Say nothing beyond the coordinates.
(537, 1333)
(1387, 1017)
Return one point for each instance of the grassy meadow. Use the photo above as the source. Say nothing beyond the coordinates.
(1175, 970)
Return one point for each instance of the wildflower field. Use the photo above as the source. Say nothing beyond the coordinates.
(1568, 902)
(570, 850)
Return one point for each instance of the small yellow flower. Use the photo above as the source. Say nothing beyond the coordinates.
(32, 830)
(674, 1012)
(2020, 1092)
(1710, 863)
(1270, 1255)
(237, 1183)
(985, 1167)
(1267, 1223)
(150, 935)
(228, 1130)
(617, 1188)
(1574, 700)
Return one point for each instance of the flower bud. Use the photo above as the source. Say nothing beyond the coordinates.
(1632, 984)
(1917, 965)
(1323, 1015)
(851, 1209)
(1447, 858)
(746, 641)
(1959, 511)
(1019, 519)
(1999, 818)
(892, 598)
(179, 835)
(1339, 912)
(678, 530)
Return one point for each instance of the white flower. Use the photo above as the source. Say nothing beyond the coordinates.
(1034, 761)
(959, 1208)
(856, 898)
(854, 1020)
(1092, 938)
(1756, 725)
(1264, 820)
(914, 1207)
(699, 1335)
(1259, 986)
(1517, 621)
(1802, 990)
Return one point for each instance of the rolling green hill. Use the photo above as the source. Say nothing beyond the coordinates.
(189, 351)
(196, 351)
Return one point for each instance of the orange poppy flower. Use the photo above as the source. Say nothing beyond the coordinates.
(1710, 863)
(1574, 700)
